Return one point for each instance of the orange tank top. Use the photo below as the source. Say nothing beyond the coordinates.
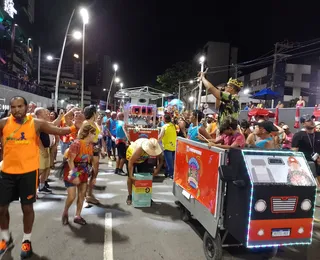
(20, 147)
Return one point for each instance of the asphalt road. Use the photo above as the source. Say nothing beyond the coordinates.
(116, 231)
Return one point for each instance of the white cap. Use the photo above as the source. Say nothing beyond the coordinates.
(108, 111)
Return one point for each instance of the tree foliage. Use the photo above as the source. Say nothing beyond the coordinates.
(179, 72)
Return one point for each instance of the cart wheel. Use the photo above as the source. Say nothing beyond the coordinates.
(185, 214)
(269, 253)
(212, 246)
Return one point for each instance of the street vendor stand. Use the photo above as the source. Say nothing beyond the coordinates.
(140, 117)
(254, 198)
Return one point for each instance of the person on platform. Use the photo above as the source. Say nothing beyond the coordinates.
(137, 156)
(196, 129)
(227, 100)
(19, 173)
(230, 135)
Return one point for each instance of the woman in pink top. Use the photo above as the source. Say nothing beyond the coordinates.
(287, 138)
(231, 137)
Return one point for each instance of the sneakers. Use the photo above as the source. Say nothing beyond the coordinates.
(92, 200)
(45, 190)
(5, 245)
(120, 172)
(26, 250)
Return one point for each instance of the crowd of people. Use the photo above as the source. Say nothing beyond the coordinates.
(31, 135)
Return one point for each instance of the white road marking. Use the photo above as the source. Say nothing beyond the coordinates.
(108, 246)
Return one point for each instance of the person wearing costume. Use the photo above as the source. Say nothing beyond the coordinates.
(227, 100)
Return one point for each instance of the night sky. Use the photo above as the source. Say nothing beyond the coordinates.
(147, 36)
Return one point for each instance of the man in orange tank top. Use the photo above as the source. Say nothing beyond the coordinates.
(19, 173)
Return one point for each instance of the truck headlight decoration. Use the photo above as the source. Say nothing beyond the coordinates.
(260, 206)
(306, 205)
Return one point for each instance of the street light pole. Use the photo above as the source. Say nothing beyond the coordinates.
(82, 78)
(60, 64)
(39, 64)
(115, 67)
(202, 59)
(85, 19)
(179, 95)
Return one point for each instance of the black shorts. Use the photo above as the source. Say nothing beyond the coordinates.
(122, 149)
(96, 149)
(144, 167)
(18, 186)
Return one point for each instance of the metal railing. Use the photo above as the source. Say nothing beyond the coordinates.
(13, 81)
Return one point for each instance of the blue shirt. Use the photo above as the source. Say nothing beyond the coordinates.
(193, 133)
(120, 134)
(262, 143)
(113, 126)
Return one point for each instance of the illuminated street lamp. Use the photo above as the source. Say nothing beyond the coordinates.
(114, 79)
(49, 57)
(85, 20)
(180, 86)
(191, 98)
(121, 85)
(77, 35)
(76, 56)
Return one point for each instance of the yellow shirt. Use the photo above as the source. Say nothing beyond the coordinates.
(96, 137)
(133, 147)
(211, 128)
(169, 139)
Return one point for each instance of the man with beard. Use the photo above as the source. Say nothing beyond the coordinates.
(19, 174)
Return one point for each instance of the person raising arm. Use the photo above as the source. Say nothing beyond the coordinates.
(228, 99)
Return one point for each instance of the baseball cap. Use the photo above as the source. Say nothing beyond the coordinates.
(268, 125)
(306, 118)
(285, 127)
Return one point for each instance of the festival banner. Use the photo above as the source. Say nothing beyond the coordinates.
(196, 171)
(136, 133)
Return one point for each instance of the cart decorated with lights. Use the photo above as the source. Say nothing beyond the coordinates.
(141, 116)
(258, 199)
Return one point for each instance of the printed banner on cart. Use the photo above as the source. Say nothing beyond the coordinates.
(196, 171)
(135, 134)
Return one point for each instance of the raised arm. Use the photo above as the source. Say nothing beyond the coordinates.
(45, 127)
(213, 90)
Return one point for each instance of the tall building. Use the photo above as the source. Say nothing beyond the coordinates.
(220, 58)
(16, 46)
(98, 76)
(291, 81)
(69, 85)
